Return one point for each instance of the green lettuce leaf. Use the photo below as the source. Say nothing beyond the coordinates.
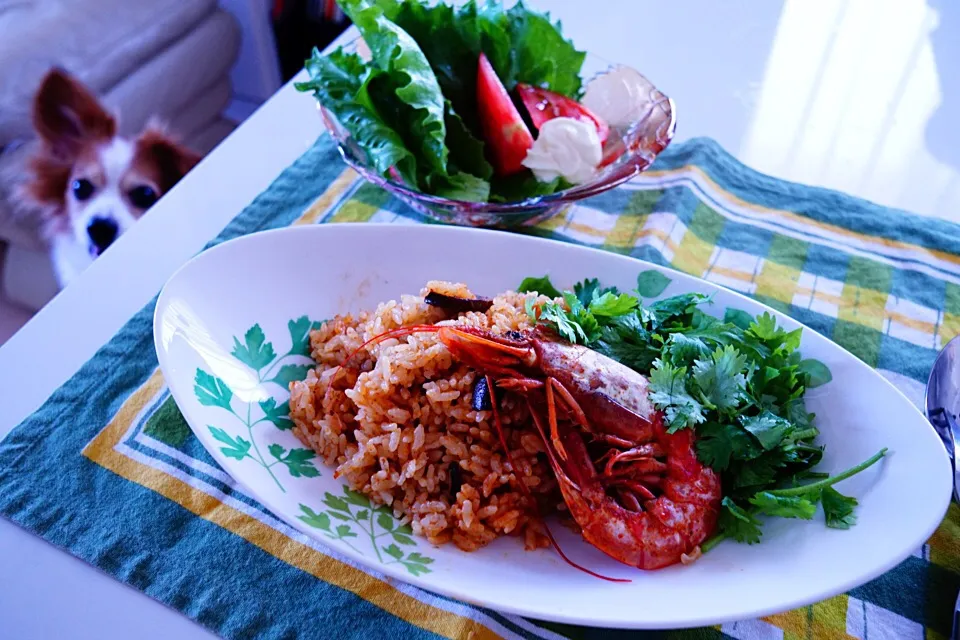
(466, 150)
(340, 83)
(413, 106)
(539, 54)
(451, 41)
(409, 77)
(522, 185)
(462, 186)
(522, 45)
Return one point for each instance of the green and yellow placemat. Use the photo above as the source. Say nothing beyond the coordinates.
(108, 470)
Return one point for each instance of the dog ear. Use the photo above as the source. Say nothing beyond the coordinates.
(169, 157)
(66, 114)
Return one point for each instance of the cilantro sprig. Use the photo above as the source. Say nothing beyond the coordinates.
(738, 381)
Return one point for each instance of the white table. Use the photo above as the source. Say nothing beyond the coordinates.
(840, 93)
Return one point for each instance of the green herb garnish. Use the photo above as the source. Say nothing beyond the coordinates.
(739, 382)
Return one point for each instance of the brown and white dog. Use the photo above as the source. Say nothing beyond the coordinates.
(92, 185)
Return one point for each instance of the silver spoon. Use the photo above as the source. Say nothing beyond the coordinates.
(943, 404)
(943, 407)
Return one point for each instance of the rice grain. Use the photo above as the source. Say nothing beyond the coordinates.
(395, 420)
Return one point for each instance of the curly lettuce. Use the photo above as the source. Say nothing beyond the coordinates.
(409, 77)
(340, 81)
(540, 54)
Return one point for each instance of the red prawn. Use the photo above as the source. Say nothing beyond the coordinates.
(638, 493)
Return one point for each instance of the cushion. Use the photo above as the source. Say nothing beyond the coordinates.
(19, 224)
(100, 41)
(200, 114)
(177, 76)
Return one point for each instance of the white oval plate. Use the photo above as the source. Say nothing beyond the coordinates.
(220, 311)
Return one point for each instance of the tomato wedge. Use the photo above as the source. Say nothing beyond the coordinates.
(504, 131)
(546, 105)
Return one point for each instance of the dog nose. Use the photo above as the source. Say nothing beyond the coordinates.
(102, 232)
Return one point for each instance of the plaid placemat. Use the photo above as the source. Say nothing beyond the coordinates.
(108, 469)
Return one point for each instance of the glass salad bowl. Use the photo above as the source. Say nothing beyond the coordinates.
(634, 147)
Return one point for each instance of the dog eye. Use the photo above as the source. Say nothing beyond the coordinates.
(143, 196)
(82, 189)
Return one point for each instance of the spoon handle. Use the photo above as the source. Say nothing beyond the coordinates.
(954, 453)
(955, 633)
(946, 427)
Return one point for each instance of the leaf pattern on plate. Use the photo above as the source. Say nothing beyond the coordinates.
(374, 523)
(259, 354)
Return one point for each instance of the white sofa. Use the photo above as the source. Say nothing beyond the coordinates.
(165, 58)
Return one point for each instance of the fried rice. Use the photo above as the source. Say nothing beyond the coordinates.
(399, 426)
